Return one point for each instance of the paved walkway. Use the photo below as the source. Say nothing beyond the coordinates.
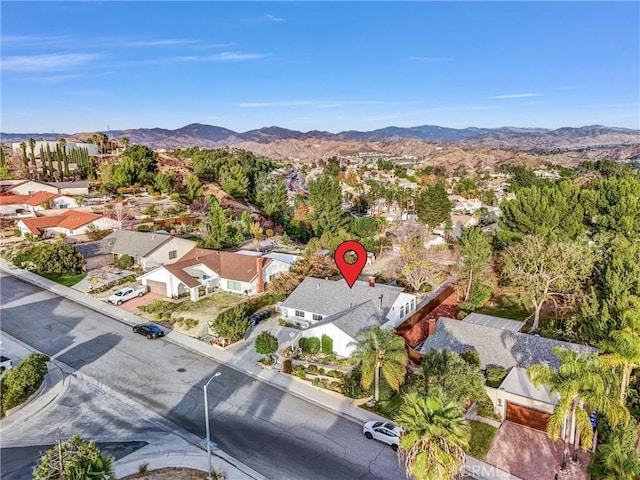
(242, 357)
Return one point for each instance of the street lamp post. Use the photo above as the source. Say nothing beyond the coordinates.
(292, 335)
(206, 416)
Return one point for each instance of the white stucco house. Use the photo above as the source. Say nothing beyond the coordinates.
(201, 271)
(327, 307)
(29, 187)
(71, 222)
(27, 205)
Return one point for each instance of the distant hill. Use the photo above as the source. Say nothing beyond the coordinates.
(526, 139)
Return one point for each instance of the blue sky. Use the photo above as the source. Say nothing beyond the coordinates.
(82, 66)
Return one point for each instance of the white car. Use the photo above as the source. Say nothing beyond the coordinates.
(385, 432)
(5, 363)
(125, 294)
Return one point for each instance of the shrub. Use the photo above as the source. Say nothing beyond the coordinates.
(287, 366)
(495, 376)
(312, 369)
(143, 467)
(461, 314)
(312, 345)
(124, 262)
(232, 323)
(23, 381)
(352, 387)
(478, 296)
(327, 344)
(266, 344)
(316, 382)
(471, 357)
(486, 410)
(302, 344)
(335, 386)
(301, 374)
(321, 371)
(144, 228)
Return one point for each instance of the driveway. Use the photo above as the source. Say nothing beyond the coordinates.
(132, 305)
(531, 455)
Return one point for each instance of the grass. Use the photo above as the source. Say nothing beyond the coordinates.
(66, 280)
(481, 438)
(506, 306)
(386, 408)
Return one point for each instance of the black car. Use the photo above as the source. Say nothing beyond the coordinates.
(149, 330)
(259, 316)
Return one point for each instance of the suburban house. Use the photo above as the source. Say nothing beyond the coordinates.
(201, 271)
(27, 205)
(71, 222)
(499, 342)
(282, 262)
(29, 187)
(465, 221)
(148, 249)
(327, 307)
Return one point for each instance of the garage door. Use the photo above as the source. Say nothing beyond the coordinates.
(527, 416)
(157, 287)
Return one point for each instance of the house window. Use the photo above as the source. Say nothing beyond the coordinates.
(205, 276)
(299, 313)
(407, 308)
(413, 305)
(317, 317)
(272, 276)
(401, 311)
(234, 285)
(173, 254)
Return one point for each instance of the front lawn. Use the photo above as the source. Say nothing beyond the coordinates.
(482, 436)
(63, 279)
(506, 306)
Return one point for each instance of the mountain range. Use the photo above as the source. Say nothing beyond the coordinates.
(196, 134)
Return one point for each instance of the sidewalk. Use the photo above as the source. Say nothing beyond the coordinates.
(242, 358)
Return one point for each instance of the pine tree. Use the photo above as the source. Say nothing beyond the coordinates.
(325, 197)
(50, 160)
(59, 160)
(433, 205)
(43, 161)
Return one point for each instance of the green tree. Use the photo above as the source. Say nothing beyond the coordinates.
(32, 148)
(325, 198)
(218, 231)
(583, 385)
(624, 349)
(49, 159)
(124, 141)
(266, 344)
(3, 157)
(365, 227)
(618, 458)
(613, 205)
(273, 199)
(415, 268)
(62, 143)
(232, 323)
(475, 249)
(546, 270)
(459, 380)
(234, 180)
(74, 459)
(433, 205)
(381, 351)
(59, 159)
(549, 211)
(436, 436)
(57, 257)
(165, 182)
(192, 189)
(25, 159)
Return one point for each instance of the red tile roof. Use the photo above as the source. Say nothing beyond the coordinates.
(33, 200)
(233, 266)
(71, 220)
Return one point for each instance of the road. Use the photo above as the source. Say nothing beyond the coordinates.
(276, 434)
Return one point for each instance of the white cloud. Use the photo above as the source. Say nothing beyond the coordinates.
(267, 18)
(429, 59)
(153, 43)
(518, 95)
(47, 62)
(56, 78)
(313, 103)
(224, 57)
(27, 41)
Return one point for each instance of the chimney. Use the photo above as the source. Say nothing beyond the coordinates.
(372, 282)
(431, 326)
(260, 283)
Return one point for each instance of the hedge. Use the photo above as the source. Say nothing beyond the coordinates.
(495, 376)
(17, 385)
(327, 344)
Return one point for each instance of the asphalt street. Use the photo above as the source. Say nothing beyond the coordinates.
(276, 434)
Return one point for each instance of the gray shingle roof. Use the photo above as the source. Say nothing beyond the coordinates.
(357, 318)
(135, 244)
(328, 297)
(496, 346)
(92, 249)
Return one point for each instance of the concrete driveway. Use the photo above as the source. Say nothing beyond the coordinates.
(132, 305)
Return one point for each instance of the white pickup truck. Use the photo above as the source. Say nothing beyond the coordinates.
(125, 294)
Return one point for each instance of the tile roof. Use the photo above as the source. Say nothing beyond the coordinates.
(71, 220)
(33, 200)
(328, 297)
(496, 346)
(229, 265)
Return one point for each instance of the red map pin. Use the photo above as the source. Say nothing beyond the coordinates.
(350, 271)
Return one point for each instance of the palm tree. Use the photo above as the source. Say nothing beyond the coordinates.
(625, 348)
(381, 350)
(434, 439)
(583, 386)
(124, 141)
(618, 458)
(32, 147)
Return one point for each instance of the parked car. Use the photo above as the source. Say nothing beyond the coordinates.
(125, 294)
(149, 330)
(5, 363)
(385, 432)
(259, 316)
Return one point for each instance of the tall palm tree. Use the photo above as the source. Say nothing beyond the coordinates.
(381, 350)
(32, 147)
(434, 439)
(124, 141)
(625, 348)
(583, 386)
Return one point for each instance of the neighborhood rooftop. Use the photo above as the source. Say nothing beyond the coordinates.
(328, 297)
(359, 317)
(494, 322)
(135, 244)
(496, 346)
(226, 264)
